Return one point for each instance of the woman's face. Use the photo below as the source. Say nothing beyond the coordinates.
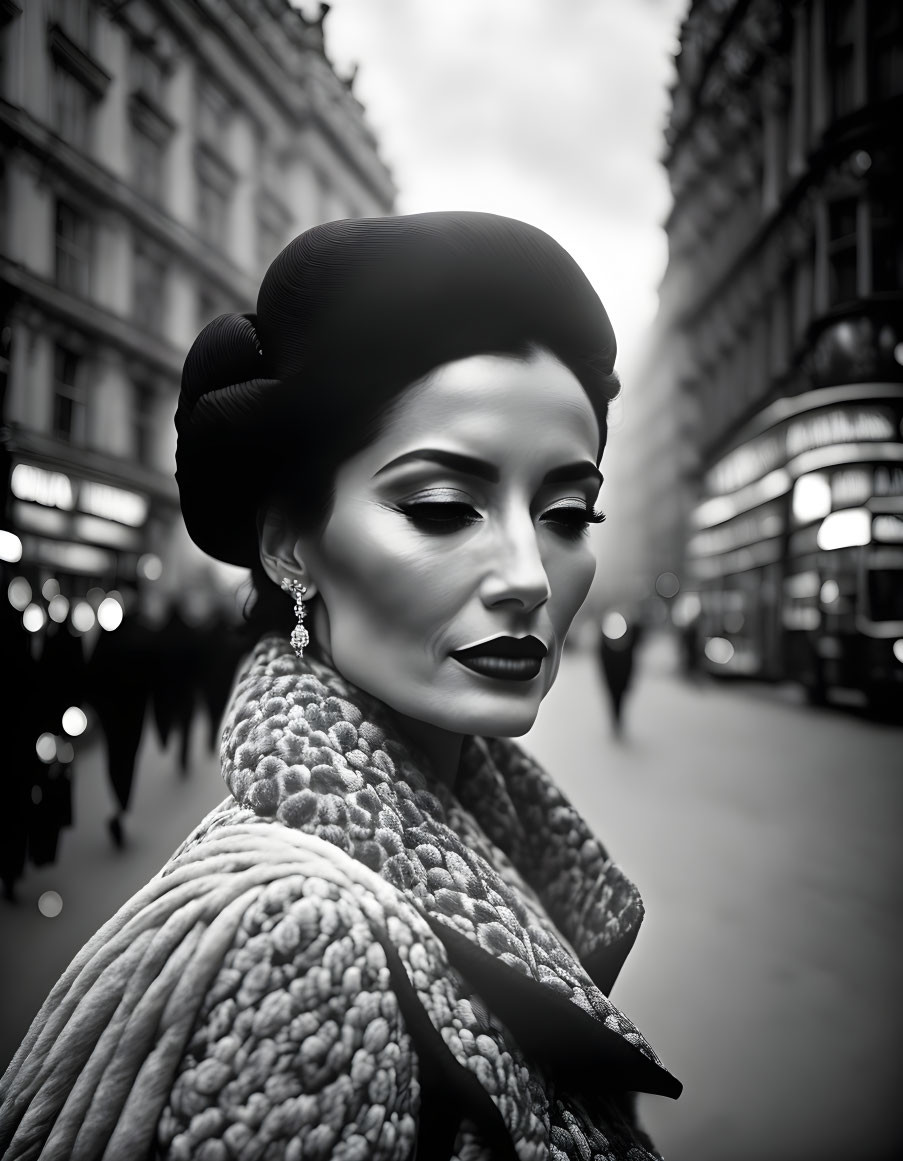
(456, 556)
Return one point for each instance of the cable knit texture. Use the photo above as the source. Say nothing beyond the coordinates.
(348, 960)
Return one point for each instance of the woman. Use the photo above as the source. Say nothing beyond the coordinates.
(395, 938)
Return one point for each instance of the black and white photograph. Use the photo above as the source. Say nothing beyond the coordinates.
(452, 580)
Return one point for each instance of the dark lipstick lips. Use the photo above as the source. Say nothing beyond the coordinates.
(504, 658)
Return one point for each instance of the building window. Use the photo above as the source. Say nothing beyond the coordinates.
(842, 56)
(72, 108)
(213, 114)
(143, 427)
(148, 288)
(885, 19)
(77, 19)
(273, 221)
(148, 159)
(215, 183)
(842, 250)
(73, 250)
(68, 421)
(77, 81)
(886, 242)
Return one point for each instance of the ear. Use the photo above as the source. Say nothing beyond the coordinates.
(280, 550)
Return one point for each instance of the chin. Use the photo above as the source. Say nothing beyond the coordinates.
(492, 722)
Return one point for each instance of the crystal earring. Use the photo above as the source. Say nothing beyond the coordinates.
(300, 636)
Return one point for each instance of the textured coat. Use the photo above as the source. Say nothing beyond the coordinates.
(347, 960)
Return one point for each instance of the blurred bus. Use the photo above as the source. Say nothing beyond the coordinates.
(796, 546)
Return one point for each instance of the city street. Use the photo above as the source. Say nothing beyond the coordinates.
(764, 836)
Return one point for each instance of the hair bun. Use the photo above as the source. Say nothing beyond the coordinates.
(222, 404)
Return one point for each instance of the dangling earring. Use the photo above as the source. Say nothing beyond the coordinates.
(300, 636)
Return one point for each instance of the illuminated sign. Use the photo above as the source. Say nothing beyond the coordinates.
(57, 490)
(112, 503)
(824, 427)
(888, 528)
(841, 425)
(52, 489)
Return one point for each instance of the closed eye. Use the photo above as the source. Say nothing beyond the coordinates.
(440, 516)
(571, 520)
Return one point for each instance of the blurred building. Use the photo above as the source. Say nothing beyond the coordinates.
(769, 459)
(154, 157)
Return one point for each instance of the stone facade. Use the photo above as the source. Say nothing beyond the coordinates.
(156, 156)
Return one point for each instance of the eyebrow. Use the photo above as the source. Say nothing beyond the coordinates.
(483, 470)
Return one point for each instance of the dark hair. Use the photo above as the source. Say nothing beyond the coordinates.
(350, 315)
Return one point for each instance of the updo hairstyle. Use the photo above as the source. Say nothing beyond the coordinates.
(349, 315)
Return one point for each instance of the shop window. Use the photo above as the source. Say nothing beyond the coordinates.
(842, 250)
(841, 30)
(69, 414)
(73, 250)
(148, 288)
(885, 30)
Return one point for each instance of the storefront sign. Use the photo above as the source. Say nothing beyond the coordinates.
(58, 490)
(841, 423)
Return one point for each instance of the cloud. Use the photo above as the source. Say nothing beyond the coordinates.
(550, 110)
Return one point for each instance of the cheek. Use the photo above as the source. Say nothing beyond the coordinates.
(570, 576)
(375, 570)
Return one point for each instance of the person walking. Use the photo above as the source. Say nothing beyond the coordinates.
(618, 643)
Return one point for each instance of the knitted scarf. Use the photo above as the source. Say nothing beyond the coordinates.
(499, 880)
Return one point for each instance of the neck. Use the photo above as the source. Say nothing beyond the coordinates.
(441, 748)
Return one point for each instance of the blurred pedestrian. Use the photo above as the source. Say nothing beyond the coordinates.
(618, 642)
(118, 687)
(20, 732)
(175, 682)
(222, 647)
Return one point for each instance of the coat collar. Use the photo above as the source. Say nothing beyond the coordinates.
(305, 747)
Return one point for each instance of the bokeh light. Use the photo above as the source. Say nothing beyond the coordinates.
(58, 609)
(898, 649)
(150, 566)
(50, 904)
(109, 613)
(45, 748)
(50, 588)
(667, 585)
(33, 618)
(74, 721)
(83, 617)
(719, 650)
(19, 593)
(10, 546)
(847, 529)
(614, 626)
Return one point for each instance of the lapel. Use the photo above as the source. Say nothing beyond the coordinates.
(305, 747)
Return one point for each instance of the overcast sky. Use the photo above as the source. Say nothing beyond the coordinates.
(546, 110)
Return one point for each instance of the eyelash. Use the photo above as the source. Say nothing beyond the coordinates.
(444, 518)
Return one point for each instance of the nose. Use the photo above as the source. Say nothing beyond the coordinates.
(517, 573)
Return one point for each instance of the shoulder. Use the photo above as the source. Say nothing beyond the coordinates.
(300, 1036)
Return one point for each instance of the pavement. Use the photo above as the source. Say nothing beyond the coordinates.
(764, 836)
